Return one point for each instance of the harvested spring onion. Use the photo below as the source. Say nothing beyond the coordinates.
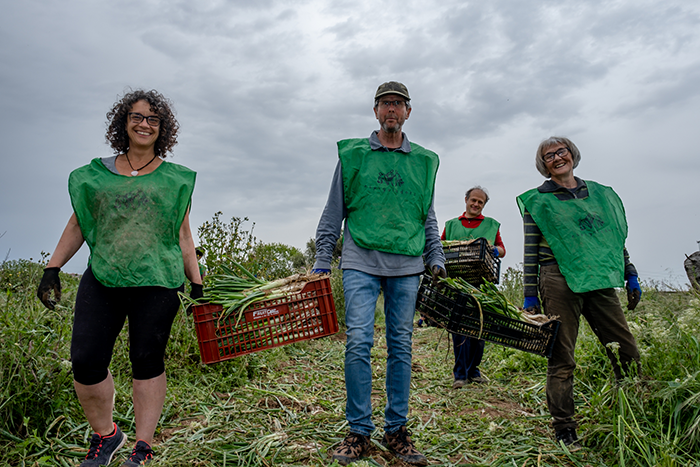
(489, 298)
(236, 292)
(446, 243)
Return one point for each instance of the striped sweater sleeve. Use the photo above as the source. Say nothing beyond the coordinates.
(630, 270)
(531, 255)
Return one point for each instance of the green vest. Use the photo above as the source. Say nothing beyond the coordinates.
(387, 195)
(455, 230)
(132, 224)
(587, 236)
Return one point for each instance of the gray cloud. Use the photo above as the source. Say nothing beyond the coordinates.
(263, 90)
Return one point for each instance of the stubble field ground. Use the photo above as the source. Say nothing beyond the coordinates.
(285, 406)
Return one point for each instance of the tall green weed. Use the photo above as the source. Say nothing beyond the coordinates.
(648, 419)
(34, 346)
(39, 411)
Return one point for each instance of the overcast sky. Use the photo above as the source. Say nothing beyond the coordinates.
(263, 90)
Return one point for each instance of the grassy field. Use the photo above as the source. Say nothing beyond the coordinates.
(285, 406)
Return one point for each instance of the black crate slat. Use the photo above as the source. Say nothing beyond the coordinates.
(459, 313)
(472, 262)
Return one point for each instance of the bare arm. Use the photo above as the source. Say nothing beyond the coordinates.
(189, 257)
(69, 244)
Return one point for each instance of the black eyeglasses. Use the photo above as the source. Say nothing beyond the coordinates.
(138, 118)
(397, 104)
(549, 157)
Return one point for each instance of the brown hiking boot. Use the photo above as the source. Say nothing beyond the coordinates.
(353, 448)
(401, 445)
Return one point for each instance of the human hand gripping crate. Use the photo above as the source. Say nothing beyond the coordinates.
(472, 260)
(264, 316)
(468, 314)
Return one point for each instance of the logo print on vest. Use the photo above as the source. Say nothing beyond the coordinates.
(591, 224)
(391, 178)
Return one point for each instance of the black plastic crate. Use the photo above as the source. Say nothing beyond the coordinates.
(459, 313)
(473, 261)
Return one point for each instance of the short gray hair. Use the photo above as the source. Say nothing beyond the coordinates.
(480, 188)
(548, 143)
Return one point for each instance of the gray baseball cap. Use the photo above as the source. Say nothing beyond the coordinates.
(392, 87)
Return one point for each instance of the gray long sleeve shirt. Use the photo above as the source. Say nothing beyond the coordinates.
(373, 262)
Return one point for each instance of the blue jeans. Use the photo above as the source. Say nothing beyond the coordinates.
(468, 353)
(361, 293)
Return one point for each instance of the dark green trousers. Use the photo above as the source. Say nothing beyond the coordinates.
(602, 310)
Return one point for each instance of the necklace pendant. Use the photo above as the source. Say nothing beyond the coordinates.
(134, 173)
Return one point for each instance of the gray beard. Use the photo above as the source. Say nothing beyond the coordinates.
(394, 129)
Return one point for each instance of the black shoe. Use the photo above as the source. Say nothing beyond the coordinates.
(102, 448)
(569, 438)
(141, 455)
(401, 445)
(353, 448)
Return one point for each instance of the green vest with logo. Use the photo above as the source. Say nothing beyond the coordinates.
(387, 195)
(488, 229)
(132, 224)
(587, 236)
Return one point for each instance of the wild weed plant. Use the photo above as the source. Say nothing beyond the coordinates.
(651, 418)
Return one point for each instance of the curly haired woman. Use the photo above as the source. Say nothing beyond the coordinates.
(132, 209)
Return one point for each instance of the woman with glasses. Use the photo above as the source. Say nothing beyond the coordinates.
(575, 257)
(132, 209)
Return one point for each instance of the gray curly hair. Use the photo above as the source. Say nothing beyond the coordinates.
(548, 143)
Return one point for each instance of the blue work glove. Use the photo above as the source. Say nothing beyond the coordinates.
(320, 271)
(438, 272)
(634, 292)
(495, 252)
(531, 304)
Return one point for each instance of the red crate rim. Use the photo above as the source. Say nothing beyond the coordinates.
(266, 303)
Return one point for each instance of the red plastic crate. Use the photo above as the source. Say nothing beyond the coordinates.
(301, 316)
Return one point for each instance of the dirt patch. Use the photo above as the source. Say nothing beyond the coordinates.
(338, 336)
(282, 402)
(497, 409)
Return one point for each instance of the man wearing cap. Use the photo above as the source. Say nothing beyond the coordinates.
(383, 189)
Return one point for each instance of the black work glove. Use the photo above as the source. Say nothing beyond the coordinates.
(438, 271)
(50, 282)
(196, 292)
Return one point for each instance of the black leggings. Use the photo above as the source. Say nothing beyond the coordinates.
(100, 312)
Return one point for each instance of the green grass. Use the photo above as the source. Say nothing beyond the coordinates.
(285, 406)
